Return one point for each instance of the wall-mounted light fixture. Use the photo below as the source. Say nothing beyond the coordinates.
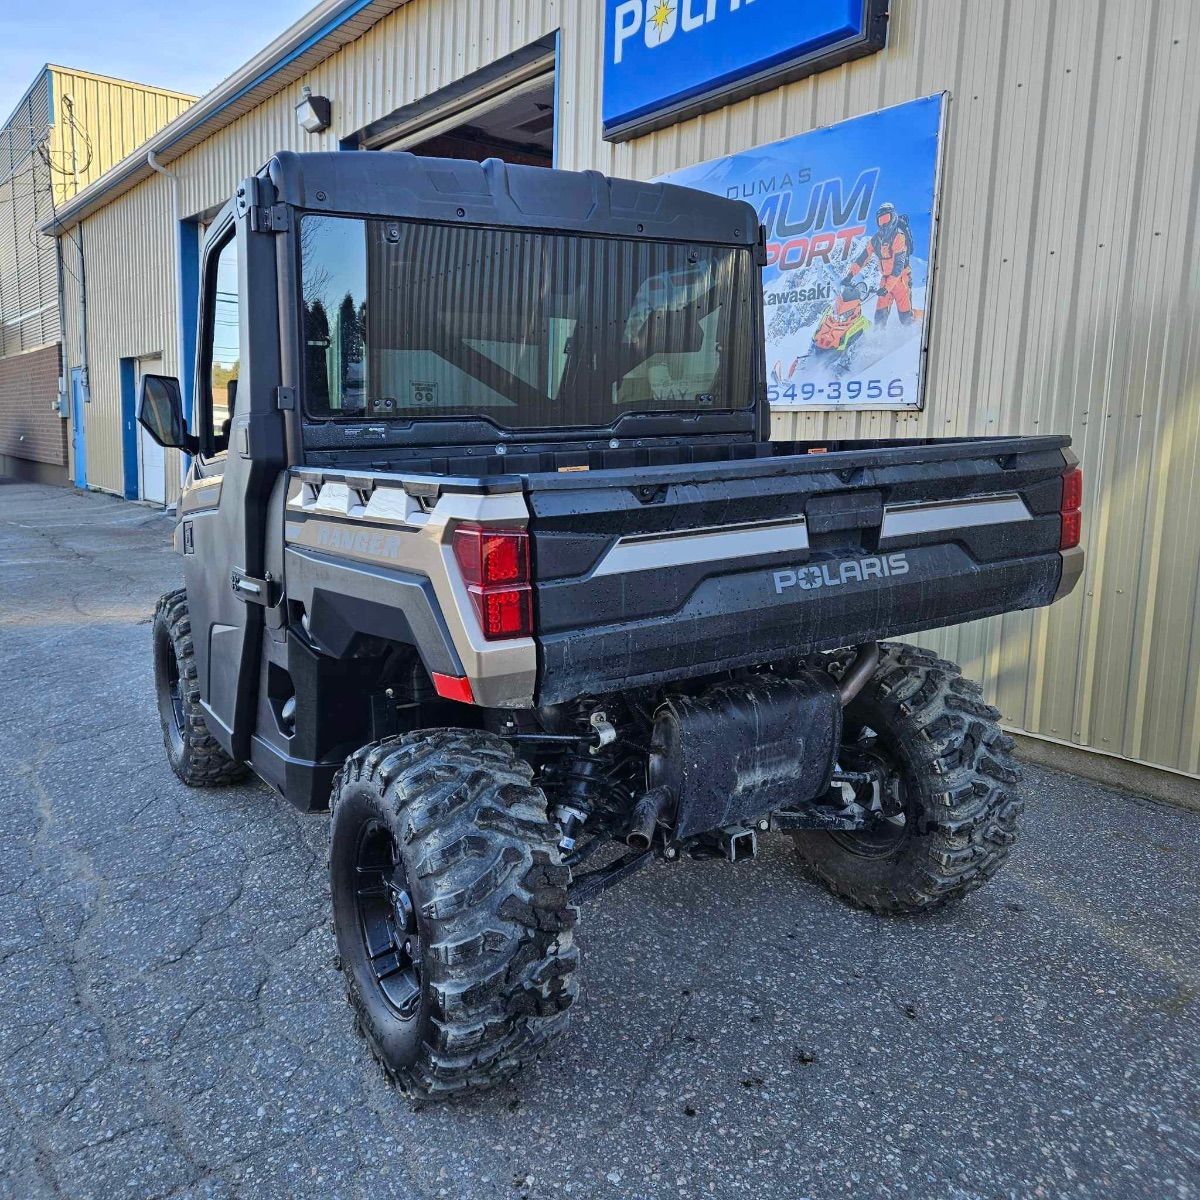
(313, 112)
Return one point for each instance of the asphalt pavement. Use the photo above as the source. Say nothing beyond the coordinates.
(172, 1024)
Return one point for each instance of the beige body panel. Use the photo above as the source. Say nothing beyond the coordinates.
(378, 522)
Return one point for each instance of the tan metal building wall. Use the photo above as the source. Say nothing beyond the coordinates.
(99, 120)
(69, 128)
(1067, 287)
(127, 254)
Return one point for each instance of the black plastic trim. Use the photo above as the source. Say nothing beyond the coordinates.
(344, 600)
(459, 192)
(737, 621)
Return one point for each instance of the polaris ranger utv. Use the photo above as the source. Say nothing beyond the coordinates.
(486, 544)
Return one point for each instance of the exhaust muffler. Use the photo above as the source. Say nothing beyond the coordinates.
(647, 813)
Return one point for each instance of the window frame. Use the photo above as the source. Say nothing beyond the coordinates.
(407, 420)
(203, 414)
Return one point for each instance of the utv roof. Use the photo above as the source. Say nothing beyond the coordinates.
(375, 183)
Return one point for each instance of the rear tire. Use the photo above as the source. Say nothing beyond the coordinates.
(451, 909)
(194, 754)
(958, 785)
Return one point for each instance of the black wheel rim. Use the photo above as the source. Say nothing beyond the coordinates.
(174, 690)
(889, 829)
(387, 921)
(170, 692)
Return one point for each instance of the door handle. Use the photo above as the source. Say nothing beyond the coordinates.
(251, 590)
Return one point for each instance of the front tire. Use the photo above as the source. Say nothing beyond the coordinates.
(451, 909)
(194, 754)
(956, 790)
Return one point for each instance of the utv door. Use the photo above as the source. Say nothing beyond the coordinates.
(224, 508)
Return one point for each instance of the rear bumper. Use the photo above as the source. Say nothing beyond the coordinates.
(760, 616)
(1073, 562)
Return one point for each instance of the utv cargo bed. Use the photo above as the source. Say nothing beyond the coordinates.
(643, 578)
(661, 563)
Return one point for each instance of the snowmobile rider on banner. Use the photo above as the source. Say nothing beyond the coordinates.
(892, 245)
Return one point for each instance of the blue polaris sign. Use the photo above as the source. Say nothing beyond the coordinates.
(669, 59)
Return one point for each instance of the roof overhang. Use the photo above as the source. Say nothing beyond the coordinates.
(318, 35)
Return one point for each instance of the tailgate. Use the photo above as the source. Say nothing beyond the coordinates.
(673, 572)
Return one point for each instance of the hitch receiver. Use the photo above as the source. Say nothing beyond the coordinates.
(737, 843)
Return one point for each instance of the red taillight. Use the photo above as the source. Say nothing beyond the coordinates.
(491, 556)
(504, 612)
(1072, 494)
(1072, 500)
(495, 568)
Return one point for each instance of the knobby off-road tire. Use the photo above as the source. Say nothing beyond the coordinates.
(194, 754)
(467, 970)
(958, 780)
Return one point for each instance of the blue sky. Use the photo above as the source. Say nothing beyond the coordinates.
(187, 46)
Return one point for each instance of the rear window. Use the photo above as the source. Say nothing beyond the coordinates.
(526, 329)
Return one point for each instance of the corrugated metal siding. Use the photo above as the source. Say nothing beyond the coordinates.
(420, 47)
(28, 284)
(129, 243)
(112, 117)
(260, 82)
(130, 314)
(254, 98)
(98, 121)
(1067, 298)
(1067, 285)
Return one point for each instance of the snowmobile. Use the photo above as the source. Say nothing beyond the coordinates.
(842, 326)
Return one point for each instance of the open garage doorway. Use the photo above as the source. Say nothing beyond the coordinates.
(507, 111)
(518, 129)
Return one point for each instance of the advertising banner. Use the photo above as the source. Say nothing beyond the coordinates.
(850, 212)
(669, 59)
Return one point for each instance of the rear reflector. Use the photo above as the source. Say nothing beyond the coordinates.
(454, 687)
(1072, 500)
(495, 568)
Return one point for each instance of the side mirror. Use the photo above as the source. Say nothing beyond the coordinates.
(160, 413)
